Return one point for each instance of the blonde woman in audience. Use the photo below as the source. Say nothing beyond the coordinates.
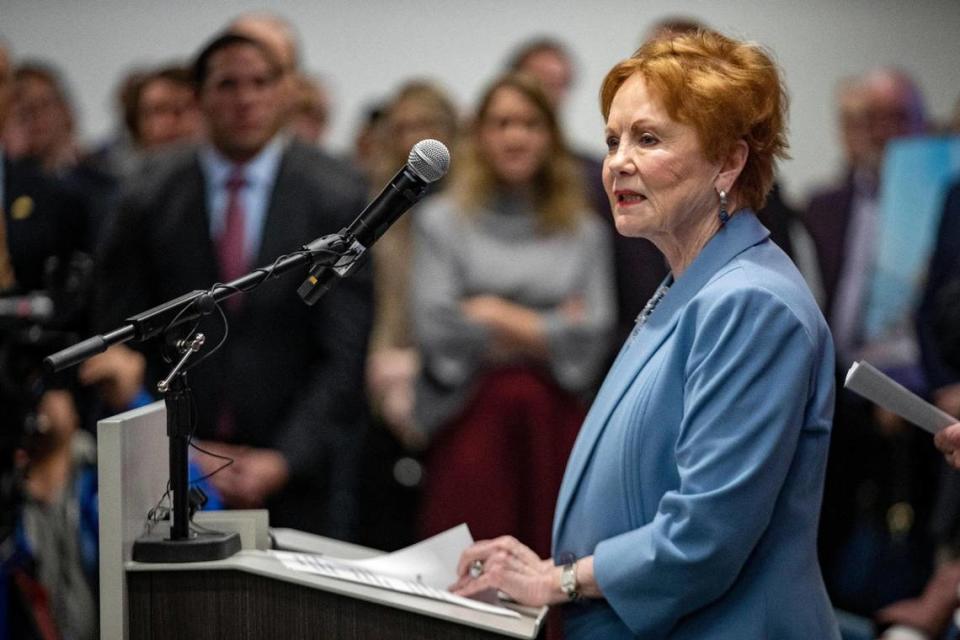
(513, 308)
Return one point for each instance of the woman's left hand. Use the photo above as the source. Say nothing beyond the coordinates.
(509, 566)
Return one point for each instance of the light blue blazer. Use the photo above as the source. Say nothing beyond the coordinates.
(697, 477)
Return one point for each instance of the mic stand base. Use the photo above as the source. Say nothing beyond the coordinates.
(200, 546)
(182, 544)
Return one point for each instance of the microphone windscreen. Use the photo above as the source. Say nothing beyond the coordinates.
(429, 160)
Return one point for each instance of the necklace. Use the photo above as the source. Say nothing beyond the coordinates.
(648, 308)
(652, 303)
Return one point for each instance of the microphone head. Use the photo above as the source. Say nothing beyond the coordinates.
(429, 160)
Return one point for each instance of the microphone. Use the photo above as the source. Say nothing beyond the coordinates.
(428, 162)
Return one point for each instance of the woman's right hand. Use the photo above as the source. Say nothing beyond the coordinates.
(507, 565)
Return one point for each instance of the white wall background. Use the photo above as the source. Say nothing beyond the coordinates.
(366, 48)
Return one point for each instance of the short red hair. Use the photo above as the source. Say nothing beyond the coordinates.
(726, 90)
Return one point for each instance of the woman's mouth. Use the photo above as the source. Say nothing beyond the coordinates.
(625, 196)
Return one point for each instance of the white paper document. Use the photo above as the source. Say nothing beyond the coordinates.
(865, 380)
(425, 569)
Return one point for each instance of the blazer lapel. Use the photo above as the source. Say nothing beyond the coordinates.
(743, 231)
(638, 349)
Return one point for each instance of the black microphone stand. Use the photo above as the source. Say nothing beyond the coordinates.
(167, 319)
(181, 546)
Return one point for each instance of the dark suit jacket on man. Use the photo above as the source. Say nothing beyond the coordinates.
(827, 219)
(944, 269)
(943, 272)
(869, 470)
(291, 375)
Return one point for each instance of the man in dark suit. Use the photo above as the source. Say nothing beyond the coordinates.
(880, 106)
(283, 396)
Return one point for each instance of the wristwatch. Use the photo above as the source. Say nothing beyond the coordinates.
(568, 581)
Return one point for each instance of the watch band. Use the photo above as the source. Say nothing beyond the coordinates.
(568, 581)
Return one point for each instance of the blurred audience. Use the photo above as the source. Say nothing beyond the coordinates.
(938, 326)
(310, 120)
(391, 471)
(117, 155)
(418, 111)
(549, 61)
(59, 519)
(874, 546)
(370, 141)
(160, 108)
(44, 131)
(48, 556)
(512, 310)
(938, 319)
(279, 36)
(44, 126)
(41, 219)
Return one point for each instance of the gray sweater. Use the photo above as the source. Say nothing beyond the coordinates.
(499, 251)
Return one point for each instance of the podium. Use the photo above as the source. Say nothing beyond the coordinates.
(251, 594)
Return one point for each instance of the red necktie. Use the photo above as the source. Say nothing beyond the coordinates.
(230, 247)
(233, 264)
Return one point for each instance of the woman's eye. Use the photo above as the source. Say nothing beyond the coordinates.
(612, 143)
(647, 139)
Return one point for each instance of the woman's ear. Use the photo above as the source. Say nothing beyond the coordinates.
(732, 166)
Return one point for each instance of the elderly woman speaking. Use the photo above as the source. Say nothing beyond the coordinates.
(690, 502)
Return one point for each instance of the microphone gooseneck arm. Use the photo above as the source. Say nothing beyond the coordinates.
(191, 306)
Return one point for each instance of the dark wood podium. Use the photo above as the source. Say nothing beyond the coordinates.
(250, 595)
(210, 605)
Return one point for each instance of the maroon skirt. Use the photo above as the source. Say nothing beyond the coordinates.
(498, 466)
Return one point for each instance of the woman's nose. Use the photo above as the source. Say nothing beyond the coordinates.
(619, 162)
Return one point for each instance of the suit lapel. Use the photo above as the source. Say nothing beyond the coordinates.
(185, 254)
(275, 235)
(838, 218)
(195, 201)
(742, 232)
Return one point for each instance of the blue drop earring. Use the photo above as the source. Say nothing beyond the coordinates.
(724, 214)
